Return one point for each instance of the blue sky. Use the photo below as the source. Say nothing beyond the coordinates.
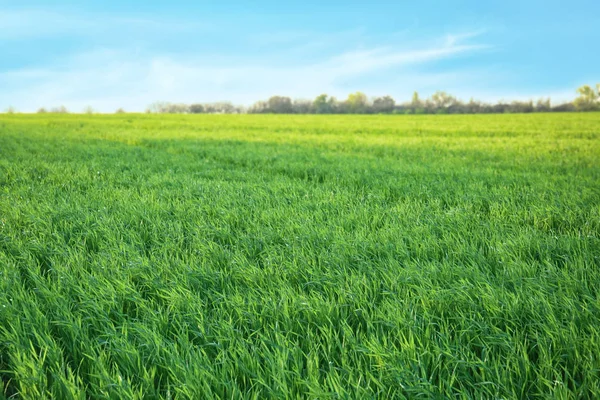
(130, 54)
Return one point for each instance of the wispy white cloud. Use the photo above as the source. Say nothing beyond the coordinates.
(453, 39)
(108, 79)
(365, 61)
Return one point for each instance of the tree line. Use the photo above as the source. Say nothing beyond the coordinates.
(588, 99)
(358, 103)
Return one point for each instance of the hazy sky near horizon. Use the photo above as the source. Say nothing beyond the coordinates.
(130, 54)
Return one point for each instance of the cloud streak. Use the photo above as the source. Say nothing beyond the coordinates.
(108, 79)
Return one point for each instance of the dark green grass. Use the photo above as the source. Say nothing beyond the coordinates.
(300, 256)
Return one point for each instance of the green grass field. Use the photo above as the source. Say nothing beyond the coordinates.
(253, 256)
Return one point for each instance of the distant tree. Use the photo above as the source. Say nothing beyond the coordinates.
(416, 101)
(458, 107)
(588, 99)
(220, 107)
(259, 107)
(384, 104)
(486, 108)
(342, 107)
(323, 104)
(158, 107)
(120, 111)
(334, 105)
(499, 108)
(543, 105)
(210, 108)
(565, 107)
(42, 110)
(11, 110)
(224, 107)
(428, 107)
(59, 110)
(88, 110)
(178, 108)
(279, 105)
(520, 107)
(442, 101)
(357, 102)
(196, 109)
(472, 107)
(320, 104)
(416, 105)
(167, 108)
(302, 107)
